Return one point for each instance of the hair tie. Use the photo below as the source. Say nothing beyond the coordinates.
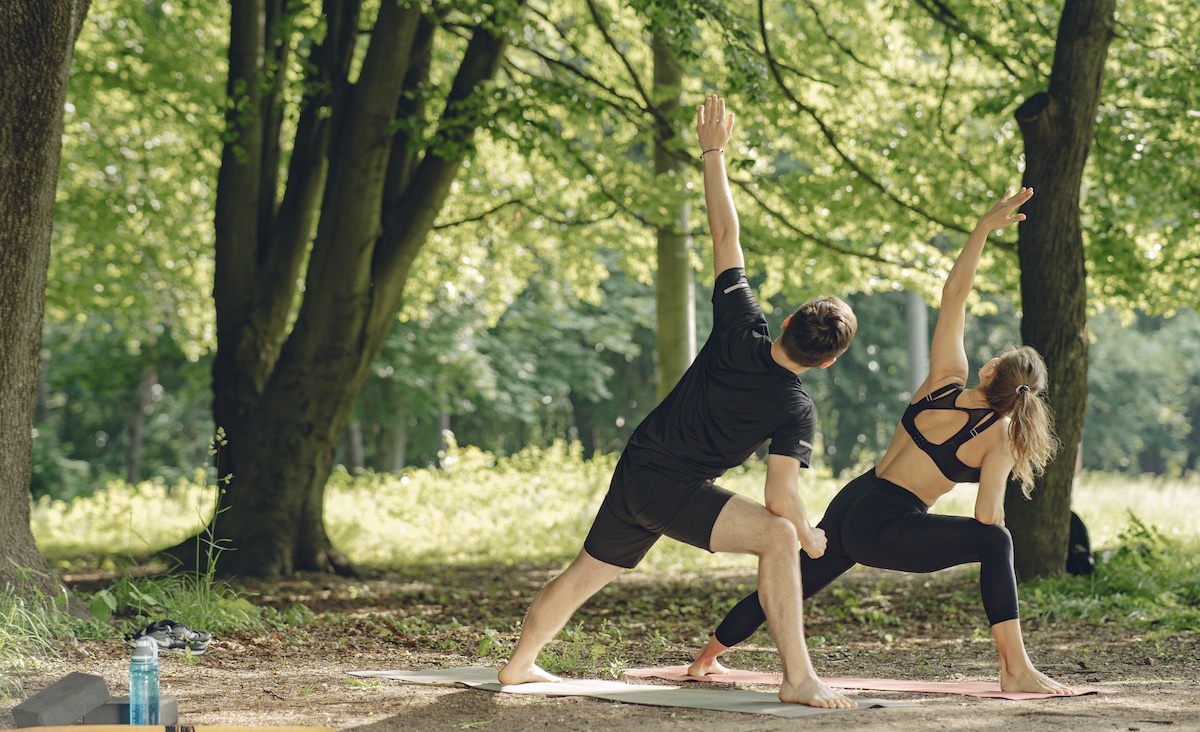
(1022, 388)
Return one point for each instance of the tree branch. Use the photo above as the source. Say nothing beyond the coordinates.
(554, 218)
(633, 77)
(407, 222)
(944, 15)
(810, 236)
(829, 34)
(827, 133)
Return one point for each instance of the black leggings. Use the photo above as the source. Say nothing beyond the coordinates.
(879, 524)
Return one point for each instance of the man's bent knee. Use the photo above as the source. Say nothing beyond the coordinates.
(748, 527)
(779, 535)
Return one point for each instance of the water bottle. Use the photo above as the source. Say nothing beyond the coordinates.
(143, 682)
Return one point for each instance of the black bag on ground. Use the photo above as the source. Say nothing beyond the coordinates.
(1079, 548)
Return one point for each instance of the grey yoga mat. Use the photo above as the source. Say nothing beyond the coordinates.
(723, 700)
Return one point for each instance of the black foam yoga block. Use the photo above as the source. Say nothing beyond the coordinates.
(116, 711)
(62, 702)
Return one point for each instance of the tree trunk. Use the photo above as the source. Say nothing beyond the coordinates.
(355, 457)
(585, 427)
(917, 320)
(675, 285)
(283, 390)
(1058, 128)
(36, 44)
(137, 426)
(390, 418)
(398, 454)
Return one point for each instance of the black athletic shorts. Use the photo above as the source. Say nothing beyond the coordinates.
(643, 504)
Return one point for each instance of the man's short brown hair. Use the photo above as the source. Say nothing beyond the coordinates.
(820, 330)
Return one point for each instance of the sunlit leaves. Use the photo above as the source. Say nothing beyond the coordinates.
(134, 220)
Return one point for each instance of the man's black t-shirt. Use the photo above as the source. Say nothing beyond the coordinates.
(732, 398)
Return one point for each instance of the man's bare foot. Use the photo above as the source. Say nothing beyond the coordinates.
(704, 666)
(1033, 681)
(510, 675)
(814, 693)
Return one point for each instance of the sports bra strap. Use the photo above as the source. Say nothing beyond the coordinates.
(934, 396)
(982, 424)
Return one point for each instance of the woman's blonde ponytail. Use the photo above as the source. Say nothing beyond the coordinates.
(1016, 390)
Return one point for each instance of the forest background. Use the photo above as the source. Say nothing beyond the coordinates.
(528, 313)
(421, 267)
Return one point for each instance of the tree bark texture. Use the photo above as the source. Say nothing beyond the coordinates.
(36, 44)
(675, 283)
(1058, 127)
(283, 388)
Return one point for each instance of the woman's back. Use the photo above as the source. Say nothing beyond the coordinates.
(942, 417)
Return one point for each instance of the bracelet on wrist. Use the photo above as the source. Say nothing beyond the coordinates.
(712, 149)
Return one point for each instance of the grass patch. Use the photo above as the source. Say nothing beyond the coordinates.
(535, 507)
(33, 627)
(123, 520)
(1150, 581)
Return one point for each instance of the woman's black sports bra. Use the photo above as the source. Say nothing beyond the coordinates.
(945, 454)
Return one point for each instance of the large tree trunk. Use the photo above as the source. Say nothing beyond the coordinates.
(282, 392)
(36, 44)
(675, 284)
(1058, 128)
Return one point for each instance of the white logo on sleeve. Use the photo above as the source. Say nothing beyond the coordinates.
(738, 286)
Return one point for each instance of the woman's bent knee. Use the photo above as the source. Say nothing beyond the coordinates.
(995, 538)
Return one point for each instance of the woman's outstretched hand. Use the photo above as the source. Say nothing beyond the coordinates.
(1001, 214)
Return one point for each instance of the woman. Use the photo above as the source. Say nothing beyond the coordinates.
(948, 435)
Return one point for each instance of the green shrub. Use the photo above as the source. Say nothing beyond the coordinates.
(1149, 580)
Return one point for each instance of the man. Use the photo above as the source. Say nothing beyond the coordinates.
(741, 390)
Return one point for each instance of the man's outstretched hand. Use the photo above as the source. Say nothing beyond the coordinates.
(713, 124)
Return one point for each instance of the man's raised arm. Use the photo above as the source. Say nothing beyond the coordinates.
(713, 127)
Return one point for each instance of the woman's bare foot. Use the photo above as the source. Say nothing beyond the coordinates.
(533, 674)
(814, 693)
(704, 666)
(1034, 681)
(706, 660)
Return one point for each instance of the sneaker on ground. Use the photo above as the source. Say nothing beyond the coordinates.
(173, 637)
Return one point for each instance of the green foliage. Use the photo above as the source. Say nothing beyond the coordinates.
(133, 229)
(1148, 581)
(123, 519)
(872, 610)
(860, 398)
(28, 627)
(533, 504)
(588, 651)
(97, 389)
(34, 626)
(860, 158)
(1143, 404)
(196, 600)
(131, 263)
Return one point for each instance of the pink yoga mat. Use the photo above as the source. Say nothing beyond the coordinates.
(988, 689)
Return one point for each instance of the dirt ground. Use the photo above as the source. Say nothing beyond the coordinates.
(869, 625)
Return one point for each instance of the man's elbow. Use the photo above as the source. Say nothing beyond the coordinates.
(775, 505)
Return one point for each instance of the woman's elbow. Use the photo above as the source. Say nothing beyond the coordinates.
(988, 517)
